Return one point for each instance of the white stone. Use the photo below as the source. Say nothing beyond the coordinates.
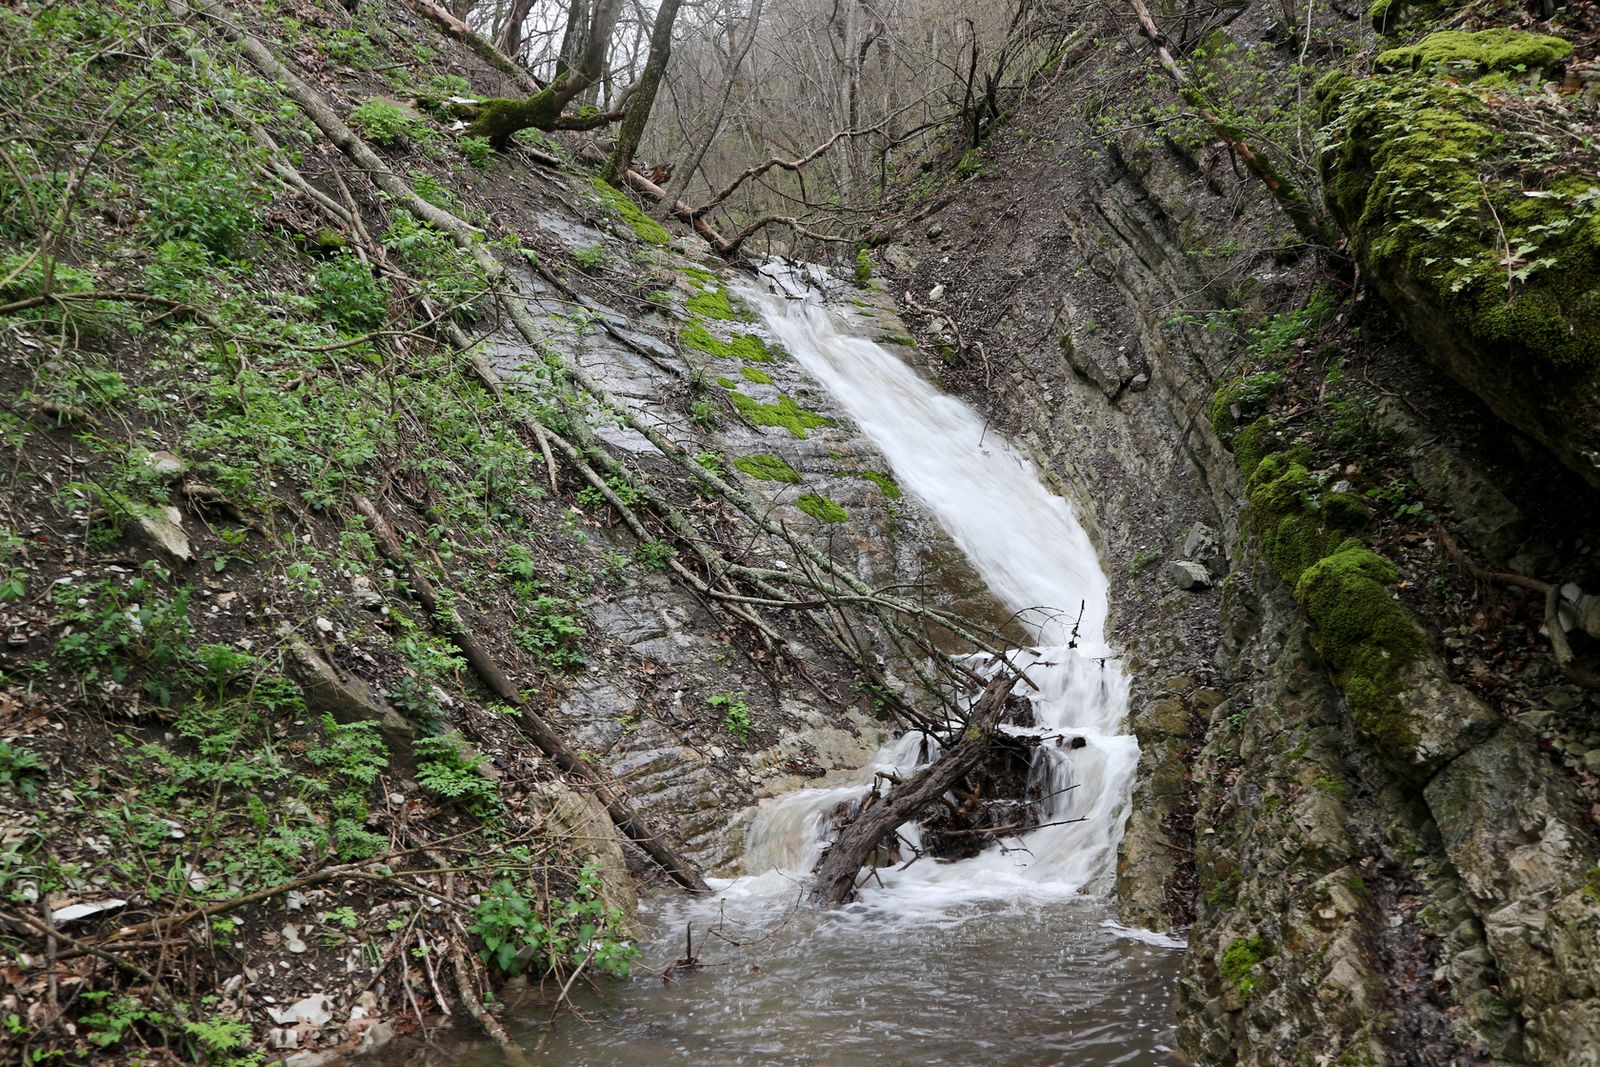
(317, 1010)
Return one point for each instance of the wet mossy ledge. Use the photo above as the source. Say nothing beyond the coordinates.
(1367, 637)
(645, 228)
(744, 346)
(767, 468)
(1483, 237)
(821, 508)
(783, 413)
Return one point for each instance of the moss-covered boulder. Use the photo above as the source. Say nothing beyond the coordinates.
(1460, 54)
(1485, 243)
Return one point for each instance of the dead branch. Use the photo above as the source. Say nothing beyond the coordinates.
(795, 165)
(463, 972)
(1565, 658)
(1283, 189)
(837, 870)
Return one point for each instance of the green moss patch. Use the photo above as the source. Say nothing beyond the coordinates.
(745, 346)
(1470, 55)
(714, 303)
(1239, 961)
(1242, 399)
(767, 468)
(883, 481)
(1457, 208)
(1364, 634)
(1251, 444)
(785, 413)
(821, 508)
(643, 226)
(755, 374)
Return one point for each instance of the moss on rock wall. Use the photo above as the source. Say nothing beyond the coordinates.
(1367, 638)
(1481, 234)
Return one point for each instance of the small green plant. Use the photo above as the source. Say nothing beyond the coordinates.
(592, 258)
(221, 1040)
(1239, 961)
(444, 770)
(626, 492)
(518, 932)
(656, 556)
(705, 414)
(382, 123)
(550, 634)
(863, 268)
(735, 713)
(20, 770)
(355, 755)
(1144, 559)
(478, 150)
(349, 295)
(114, 629)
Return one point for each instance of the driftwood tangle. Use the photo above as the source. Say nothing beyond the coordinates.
(836, 872)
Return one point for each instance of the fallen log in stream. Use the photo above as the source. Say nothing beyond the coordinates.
(836, 872)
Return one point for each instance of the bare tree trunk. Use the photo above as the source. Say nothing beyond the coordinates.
(572, 40)
(736, 57)
(644, 97)
(509, 40)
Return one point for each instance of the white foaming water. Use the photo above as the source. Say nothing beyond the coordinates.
(1036, 558)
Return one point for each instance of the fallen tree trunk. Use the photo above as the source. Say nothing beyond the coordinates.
(837, 870)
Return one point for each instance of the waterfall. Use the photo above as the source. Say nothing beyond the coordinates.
(1009, 957)
(1036, 558)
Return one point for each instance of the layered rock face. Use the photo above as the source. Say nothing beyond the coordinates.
(1380, 863)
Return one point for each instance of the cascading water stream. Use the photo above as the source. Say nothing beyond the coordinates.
(1008, 957)
(1036, 558)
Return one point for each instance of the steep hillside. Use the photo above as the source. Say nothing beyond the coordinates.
(408, 545)
(413, 547)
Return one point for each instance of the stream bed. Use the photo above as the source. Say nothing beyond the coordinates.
(1009, 957)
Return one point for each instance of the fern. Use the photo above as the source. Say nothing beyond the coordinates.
(445, 772)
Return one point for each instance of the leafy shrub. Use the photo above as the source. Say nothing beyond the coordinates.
(348, 295)
(517, 931)
(382, 123)
(197, 187)
(478, 150)
(445, 771)
(550, 634)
